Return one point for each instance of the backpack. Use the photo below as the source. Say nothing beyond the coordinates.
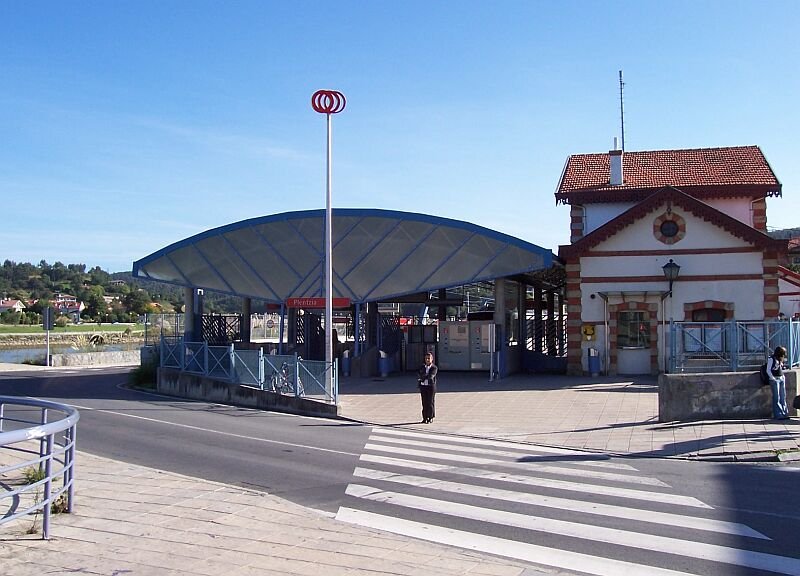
(763, 373)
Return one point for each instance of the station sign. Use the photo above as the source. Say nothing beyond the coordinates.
(311, 303)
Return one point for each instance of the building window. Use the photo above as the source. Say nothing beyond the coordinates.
(633, 329)
(707, 338)
(708, 315)
(669, 227)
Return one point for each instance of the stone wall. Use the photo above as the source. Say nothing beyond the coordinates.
(718, 396)
(184, 385)
(117, 358)
(77, 339)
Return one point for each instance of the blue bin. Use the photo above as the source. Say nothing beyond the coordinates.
(384, 366)
(594, 362)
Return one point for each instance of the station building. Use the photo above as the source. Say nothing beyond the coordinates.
(656, 237)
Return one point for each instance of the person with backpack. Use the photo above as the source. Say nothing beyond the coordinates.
(777, 382)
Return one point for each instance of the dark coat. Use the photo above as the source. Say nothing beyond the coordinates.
(430, 378)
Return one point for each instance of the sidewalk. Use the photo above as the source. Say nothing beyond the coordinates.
(134, 520)
(613, 415)
(139, 521)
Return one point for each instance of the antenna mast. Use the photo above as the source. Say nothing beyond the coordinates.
(622, 109)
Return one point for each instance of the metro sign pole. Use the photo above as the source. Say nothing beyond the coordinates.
(328, 102)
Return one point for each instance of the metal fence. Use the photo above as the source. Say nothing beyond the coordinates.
(730, 346)
(38, 453)
(157, 326)
(281, 374)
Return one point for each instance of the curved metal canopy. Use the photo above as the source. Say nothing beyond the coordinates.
(377, 255)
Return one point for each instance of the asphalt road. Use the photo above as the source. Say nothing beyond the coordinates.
(305, 460)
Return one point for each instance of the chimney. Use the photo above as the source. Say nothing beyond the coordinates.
(615, 165)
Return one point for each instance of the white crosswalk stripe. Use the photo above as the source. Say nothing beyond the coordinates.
(543, 482)
(489, 486)
(434, 441)
(665, 518)
(541, 468)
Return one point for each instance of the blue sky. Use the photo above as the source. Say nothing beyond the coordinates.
(131, 125)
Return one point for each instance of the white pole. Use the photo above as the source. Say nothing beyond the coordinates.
(328, 102)
(328, 273)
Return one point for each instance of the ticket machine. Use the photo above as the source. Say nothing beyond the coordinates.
(480, 345)
(466, 345)
(454, 346)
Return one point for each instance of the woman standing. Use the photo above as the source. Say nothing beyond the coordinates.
(426, 380)
(777, 382)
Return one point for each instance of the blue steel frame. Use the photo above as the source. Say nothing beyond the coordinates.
(227, 363)
(734, 346)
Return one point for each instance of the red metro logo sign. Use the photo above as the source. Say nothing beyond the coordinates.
(328, 101)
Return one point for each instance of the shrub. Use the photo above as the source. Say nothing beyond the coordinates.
(144, 376)
(33, 474)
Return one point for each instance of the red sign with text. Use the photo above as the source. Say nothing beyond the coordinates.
(310, 303)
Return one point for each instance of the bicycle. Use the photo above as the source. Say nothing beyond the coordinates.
(282, 381)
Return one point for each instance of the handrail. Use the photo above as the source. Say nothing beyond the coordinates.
(48, 434)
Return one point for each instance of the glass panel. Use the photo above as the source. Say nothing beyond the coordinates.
(692, 338)
(633, 330)
(713, 338)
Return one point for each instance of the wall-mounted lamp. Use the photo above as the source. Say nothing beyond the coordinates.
(671, 271)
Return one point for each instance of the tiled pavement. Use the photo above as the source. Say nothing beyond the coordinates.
(607, 414)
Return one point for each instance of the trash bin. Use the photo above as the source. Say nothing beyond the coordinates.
(346, 363)
(594, 362)
(384, 364)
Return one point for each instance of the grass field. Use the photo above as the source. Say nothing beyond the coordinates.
(88, 327)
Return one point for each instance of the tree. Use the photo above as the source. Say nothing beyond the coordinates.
(136, 301)
(96, 306)
(98, 276)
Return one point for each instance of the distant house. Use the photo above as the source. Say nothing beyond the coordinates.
(117, 283)
(635, 216)
(67, 304)
(11, 305)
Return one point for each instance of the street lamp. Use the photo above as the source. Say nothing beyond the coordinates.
(671, 271)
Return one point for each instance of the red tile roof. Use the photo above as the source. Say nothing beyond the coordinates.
(701, 172)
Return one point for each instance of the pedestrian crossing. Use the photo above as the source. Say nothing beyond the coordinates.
(556, 508)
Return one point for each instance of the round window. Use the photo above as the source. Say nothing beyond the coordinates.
(669, 228)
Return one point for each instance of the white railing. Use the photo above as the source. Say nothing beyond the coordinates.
(38, 451)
